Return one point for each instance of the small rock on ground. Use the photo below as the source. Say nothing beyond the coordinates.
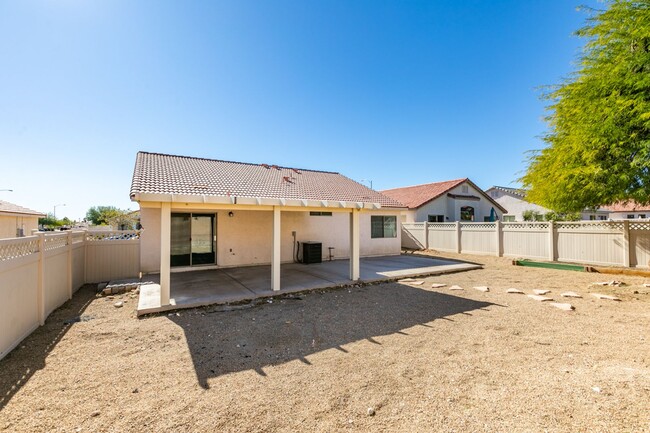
(570, 295)
(416, 283)
(406, 280)
(371, 411)
(118, 304)
(437, 285)
(601, 296)
(482, 288)
(455, 287)
(517, 291)
(541, 291)
(561, 306)
(540, 298)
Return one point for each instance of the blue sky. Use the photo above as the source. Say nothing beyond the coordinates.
(397, 92)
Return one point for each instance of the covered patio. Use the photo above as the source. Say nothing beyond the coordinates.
(217, 286)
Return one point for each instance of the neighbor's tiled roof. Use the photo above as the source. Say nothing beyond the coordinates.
(629, 206)
(415, 196)
(157, 173)
(514, 191)
(7, 207)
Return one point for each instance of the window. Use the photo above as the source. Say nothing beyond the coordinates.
(642, 215)
(383, 226)
(602, 217)
(592, 217)
(320, 213)
(630, 217)
(494, 194)
(464, 189)
(508, 218)
(436, 218)
(467, 213)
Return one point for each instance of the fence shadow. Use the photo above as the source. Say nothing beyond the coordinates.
(29, 356)
(291, 329)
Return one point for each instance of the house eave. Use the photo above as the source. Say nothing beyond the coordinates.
(252, 201)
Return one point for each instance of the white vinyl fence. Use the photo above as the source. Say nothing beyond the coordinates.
(606, 243)
(41, 272)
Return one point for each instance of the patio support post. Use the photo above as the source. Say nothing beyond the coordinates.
(165, 252)
(275, 254)
(354, 245)
(69, 268)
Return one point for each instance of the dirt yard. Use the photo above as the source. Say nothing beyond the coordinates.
(421, 359)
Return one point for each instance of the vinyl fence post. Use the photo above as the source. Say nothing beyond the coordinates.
(40, 292)
(499, 236)
(626, 243)
(551, 241)
(458, 245)
(69, 240)
(426, 235)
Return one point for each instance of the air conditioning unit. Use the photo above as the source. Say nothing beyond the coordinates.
(312, 252)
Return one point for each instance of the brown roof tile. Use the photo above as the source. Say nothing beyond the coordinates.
(157, 173)
(415, 196)
(629, 206)
(7, 207)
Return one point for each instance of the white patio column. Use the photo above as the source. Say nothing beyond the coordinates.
(165, 252)
(276, 251)
(354, 245)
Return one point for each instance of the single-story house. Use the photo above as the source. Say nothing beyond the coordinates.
(628, 210)
(199, 213)
(17, 221)
(514, 199)
(448, 201)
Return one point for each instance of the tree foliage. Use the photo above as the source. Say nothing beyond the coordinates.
(110, 215)
(50, 222)
(598, 143)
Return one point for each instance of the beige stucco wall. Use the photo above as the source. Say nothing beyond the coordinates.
(9, 225)
(245, 238)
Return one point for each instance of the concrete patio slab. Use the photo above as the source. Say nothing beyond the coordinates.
(218, 286)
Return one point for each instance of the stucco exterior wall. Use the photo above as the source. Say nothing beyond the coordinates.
(515, 206)
(9, 225)
(245, 238)
(450, 207)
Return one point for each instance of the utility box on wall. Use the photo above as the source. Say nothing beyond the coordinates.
(312, 252)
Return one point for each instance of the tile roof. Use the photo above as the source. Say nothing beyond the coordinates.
(157, 173)
(415, 196)
(628, 206)
(513, 191)
(6, 207)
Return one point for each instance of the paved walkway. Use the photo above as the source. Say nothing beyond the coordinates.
(216, 286)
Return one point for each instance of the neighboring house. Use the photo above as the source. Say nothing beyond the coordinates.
(198, 213)
(17, 221)
(514, 199)
(452, 200)
(628, 210)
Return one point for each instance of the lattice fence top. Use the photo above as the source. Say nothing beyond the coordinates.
(590, 225)
(643, 226)
(478, 226)
(53, 242)
(526, 226)
(113, 235)
(20, 247)
(78, 237)
(442, 226)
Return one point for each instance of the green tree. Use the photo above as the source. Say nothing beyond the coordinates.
(598, 143)
(101, 215)
(49, 221)
(110, 215)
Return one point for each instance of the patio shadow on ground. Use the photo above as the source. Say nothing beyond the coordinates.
(291, 329)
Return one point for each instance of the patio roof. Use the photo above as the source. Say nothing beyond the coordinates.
(172, 178)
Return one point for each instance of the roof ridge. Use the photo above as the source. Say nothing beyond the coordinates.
(234, 162)
(429, 183)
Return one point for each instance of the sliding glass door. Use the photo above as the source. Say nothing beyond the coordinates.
(193, 241)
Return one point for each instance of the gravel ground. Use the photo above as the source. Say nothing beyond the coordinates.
(421, 359)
